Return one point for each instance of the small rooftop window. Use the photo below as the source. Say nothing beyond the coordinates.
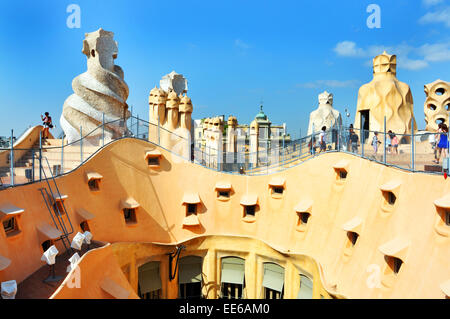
(94, 179)
(130, 216)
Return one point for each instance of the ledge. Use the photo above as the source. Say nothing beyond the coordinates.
(9, 210)
(391, 186)
(249, 219)
(249, 200)
(60, 197)
(223, 185)
(443, 202)
(191, 220)
(49, 232)
(93, 175)
(342, 164)
(353, 225)
(153, 153)
(130, 202)
(398, 248)
(304, 206)
(278, 181)
(84, 214)
(4, 262)
(191, 198)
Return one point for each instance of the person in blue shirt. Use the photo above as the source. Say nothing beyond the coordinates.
(442, 143)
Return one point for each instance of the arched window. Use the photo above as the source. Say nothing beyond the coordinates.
(190, 277)
(232, 278)
(306, 288)
(149, 281)
(273, 281)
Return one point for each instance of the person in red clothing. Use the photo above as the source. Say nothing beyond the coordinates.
(47, 123)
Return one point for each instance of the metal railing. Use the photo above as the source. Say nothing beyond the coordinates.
(412, 152)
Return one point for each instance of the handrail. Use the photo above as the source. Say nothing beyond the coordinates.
(59, 195)
(58, 214)
(216, 159)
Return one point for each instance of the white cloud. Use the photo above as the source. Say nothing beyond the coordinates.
(429, 3)
(435, 52)
(412, 65)
(440, 16)
(348, 48)
(241, 44)
(422, 55)
(329, 83)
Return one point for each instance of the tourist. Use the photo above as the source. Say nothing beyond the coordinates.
(47, 123)
(354, 141)
(434, 138)
(312, 145)
(389, 141)
(375, 142)
(322, 140)
(350, 132)
(395, 142)
(442, 143)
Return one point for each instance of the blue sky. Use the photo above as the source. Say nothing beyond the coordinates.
(233, 53)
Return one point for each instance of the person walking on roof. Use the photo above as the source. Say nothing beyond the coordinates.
(47, 123)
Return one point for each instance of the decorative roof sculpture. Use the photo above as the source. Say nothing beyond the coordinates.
(100, 90)
(325, 115)
(385, 96)
(437, 104)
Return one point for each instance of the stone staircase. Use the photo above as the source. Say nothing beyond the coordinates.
(51, 149)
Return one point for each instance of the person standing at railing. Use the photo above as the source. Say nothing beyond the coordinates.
(47, 123)
(348, 137)
(389, 141)
(322, 140)
(442, 143)
(394, 143)
(434, 141)
(375, 143)
(354, 141)
(312, 145)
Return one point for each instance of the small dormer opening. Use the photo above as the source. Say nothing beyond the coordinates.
(249, 210)
(303, 218)
(352, 237)
(277, 190)
(153, 161)
(394, 264)
(47, 244)
(223, 194)
(130, 215)
(191, 209)
(59, 207)
(94, 184)
(84, 226)
(389, 197)
(341, 174)
(10, 226)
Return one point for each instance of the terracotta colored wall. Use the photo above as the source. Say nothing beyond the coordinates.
(91, 278)
(160, 192)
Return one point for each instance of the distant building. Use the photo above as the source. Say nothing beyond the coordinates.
(5, 141)
(268, 133)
